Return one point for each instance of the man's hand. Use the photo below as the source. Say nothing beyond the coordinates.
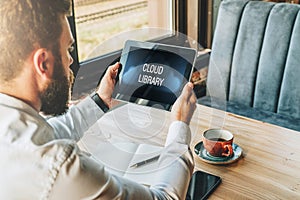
(107, 84)
(184, 107)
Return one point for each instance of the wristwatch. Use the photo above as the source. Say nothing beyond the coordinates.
(97, 99)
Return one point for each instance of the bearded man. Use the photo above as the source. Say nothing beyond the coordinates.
(40, 158)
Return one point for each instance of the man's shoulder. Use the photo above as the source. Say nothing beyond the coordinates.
(24, 125)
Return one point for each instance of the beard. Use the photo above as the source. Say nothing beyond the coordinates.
(55, 98)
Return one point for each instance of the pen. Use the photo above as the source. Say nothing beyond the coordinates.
(145, 162)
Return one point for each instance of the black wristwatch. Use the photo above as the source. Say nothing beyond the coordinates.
(99, 102)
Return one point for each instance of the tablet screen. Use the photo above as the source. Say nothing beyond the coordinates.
(153, 74)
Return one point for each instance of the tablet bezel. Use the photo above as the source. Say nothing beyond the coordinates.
(153, 46)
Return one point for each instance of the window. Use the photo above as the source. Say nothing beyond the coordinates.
(102, 26)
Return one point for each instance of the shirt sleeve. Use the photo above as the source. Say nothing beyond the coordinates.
(77, 120)
(179, 132)
(176, 163)
(81, 177)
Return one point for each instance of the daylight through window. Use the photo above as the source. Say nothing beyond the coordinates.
(102, 26)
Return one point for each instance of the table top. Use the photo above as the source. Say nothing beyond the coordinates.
(269, 167)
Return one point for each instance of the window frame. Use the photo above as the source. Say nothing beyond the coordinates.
(91, 70)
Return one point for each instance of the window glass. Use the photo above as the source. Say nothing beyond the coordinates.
(102, 26)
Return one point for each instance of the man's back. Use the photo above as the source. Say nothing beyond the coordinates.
(35, 165)
(26, 162)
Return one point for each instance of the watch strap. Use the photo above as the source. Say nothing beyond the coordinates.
(97, 99)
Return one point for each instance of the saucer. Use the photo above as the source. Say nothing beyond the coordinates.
(206, 157)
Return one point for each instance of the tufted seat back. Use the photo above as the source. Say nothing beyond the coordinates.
(255, 58)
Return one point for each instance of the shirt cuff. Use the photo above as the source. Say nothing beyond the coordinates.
(179, 132)
(90, 109)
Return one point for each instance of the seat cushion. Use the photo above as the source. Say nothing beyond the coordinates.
(247, 111)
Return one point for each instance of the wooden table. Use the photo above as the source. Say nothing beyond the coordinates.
(268, 169)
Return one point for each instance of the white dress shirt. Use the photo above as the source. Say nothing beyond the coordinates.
(41, 160)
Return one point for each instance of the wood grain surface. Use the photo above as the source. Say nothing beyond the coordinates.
(268, 169)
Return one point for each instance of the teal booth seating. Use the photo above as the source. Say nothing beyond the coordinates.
(254, 67)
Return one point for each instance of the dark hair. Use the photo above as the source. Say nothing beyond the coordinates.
(26, 25)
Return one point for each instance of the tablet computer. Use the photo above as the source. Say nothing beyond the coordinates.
(153, 74)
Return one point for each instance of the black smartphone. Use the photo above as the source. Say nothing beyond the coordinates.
(202, 184)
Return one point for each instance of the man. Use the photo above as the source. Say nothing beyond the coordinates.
(42, 161)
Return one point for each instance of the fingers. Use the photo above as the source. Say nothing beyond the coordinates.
(106, 86)
(185, 105)
(188, 93)
(191, 85)
(187, 90)
(112, 70)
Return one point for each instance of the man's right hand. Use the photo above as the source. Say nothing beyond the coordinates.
(184, 107)
(107, 84)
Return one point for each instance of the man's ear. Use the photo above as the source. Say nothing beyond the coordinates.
(43, 62)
